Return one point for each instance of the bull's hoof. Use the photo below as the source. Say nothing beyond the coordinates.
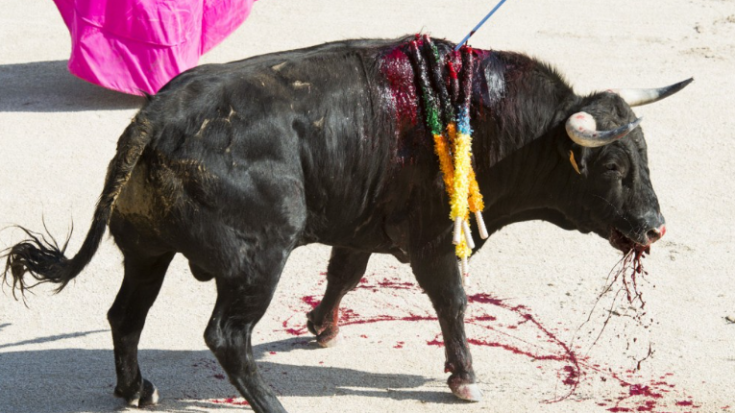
(146, 396)
(326, 336)
(467, 391)
(327, 341)
(310, 325)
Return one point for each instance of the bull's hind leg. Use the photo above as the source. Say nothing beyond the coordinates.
(346, 268)
(439, 276)
(141, 284)
(241, 301)
(240, 305)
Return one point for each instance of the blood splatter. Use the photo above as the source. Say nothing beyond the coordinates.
(640, 390)
(515, 328)
(571, 371)
(311, 300)
(396, 285)
(211, 366)
(295, 331)
(640, 398)
(231, 400)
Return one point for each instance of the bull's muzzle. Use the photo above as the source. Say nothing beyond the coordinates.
(655, 228)
(655, 234)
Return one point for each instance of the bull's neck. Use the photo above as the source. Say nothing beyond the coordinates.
(518, 106)
(521, 186)
(518, 121)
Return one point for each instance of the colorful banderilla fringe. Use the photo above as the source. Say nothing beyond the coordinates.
(452, 142)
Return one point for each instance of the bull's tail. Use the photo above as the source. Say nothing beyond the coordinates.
(42, 258)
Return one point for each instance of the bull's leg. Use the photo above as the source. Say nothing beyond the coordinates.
(140, 287)
(346, 268)
(439, 276)
(241, 301)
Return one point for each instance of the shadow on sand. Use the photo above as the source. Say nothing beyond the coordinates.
(81, 380)
(49, 87)
(48, 339)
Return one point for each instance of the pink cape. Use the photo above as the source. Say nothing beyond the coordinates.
(137, 46)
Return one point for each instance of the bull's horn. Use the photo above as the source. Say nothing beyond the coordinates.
(582, 129)
(638, 97)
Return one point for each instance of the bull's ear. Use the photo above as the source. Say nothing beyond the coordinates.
(578, 156)
(575, 156)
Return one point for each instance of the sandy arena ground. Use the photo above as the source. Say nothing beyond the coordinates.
(57, 134)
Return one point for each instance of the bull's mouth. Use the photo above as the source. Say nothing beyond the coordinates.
(623, 243)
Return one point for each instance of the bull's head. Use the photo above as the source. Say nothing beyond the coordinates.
(613, 172)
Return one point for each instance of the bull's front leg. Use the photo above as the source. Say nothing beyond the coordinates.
(438, 274)
(346, 268)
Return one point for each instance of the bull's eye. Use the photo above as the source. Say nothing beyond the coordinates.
(614, 170)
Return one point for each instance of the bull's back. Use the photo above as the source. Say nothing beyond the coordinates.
(261, 133)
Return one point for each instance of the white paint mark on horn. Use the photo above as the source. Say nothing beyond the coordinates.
(582, 129)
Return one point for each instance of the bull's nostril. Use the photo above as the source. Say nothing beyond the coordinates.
(656, 233)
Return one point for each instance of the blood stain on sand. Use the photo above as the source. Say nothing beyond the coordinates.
(211, 366)
(234, 401)
(484, 311)
(571, 370)
(295, 331)
(311, 300)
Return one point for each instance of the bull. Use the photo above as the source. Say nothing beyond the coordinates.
(235, 165)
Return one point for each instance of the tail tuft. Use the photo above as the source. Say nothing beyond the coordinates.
(40, 257)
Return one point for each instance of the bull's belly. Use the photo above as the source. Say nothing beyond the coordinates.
(373, 232)
(156, 208)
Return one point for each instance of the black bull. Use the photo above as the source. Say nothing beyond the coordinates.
(235, 165)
